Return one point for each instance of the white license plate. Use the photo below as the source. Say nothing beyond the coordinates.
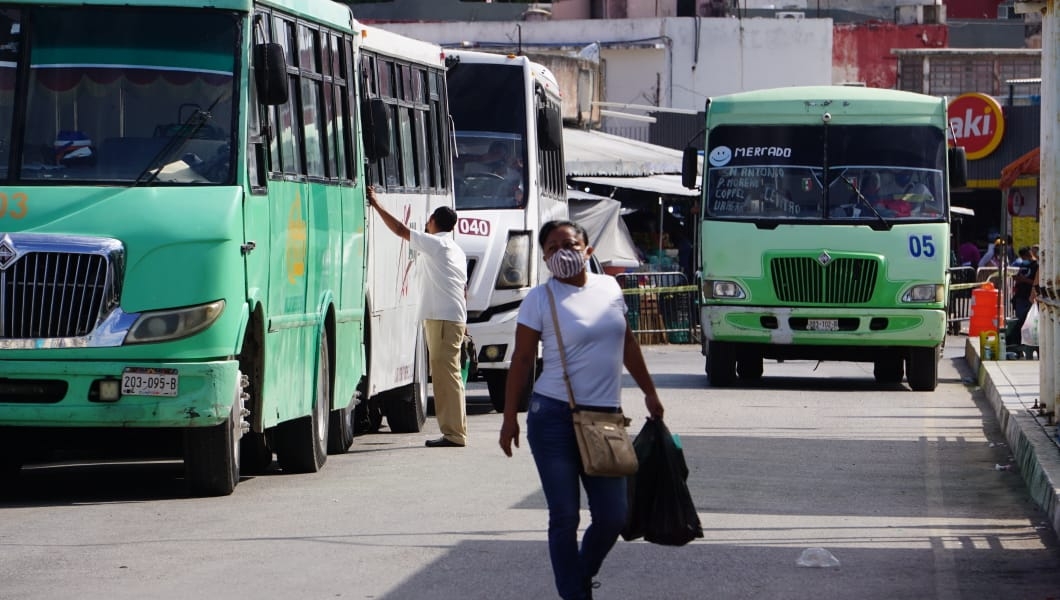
(822, 325)
(137, 381)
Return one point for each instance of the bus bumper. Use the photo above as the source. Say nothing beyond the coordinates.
(495, 339)
(67, 394)
(924, 327)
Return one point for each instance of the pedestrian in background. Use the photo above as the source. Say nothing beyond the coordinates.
(1023, 292)
(591, 314)
(444, 313)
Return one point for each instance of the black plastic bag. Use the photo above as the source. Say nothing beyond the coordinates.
(660, 506)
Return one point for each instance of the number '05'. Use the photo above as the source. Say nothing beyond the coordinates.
(13, 206)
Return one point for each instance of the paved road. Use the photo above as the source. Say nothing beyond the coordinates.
(901, 487)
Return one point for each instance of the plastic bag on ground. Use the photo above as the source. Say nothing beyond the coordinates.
(817, 557)
(660, 506)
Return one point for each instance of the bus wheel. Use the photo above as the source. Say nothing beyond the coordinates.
(888, 370)
(301, 444)
(406, 407)
(11, 454)
(922, 369)
(255, 456)
(749, 368)
(211, 454)
(721, 364)
(340, 430)
(497, 383)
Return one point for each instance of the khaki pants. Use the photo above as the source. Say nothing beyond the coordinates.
(443, 345)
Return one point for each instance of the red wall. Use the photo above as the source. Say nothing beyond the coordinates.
(862, 51)
(971, 9)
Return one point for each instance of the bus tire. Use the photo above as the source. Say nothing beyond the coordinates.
(721, 364)
(406, 407)
(922, 369)
(11, 454)
(255, 456)
(340, 430)
(749, 368)
(211, 454)
(301, 444)
(888, 370)
(497, 383)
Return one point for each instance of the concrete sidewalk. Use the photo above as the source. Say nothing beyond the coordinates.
(1012, 387)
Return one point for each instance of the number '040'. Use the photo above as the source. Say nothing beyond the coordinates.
(13, 206)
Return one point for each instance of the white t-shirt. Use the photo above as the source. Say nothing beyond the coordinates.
(592, 320)
(443, 269)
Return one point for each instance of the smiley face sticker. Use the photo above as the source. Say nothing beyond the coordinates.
(720, 156)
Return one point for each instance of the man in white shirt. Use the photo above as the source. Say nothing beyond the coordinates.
(444, 313)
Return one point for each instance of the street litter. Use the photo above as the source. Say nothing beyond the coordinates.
(1003, 467)
(817, 557)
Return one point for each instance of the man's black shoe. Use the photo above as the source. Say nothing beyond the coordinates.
(442, 443)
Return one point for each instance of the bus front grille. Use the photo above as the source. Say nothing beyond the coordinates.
(807, 280)
(54, 295)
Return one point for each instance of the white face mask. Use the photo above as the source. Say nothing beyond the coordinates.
(565, 263)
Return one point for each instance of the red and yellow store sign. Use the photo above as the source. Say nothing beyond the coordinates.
(977, 122)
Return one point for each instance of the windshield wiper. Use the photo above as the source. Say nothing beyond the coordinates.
(185, 132)
(863, 200)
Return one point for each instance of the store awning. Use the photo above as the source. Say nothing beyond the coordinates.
(1028, 164)
(667, 185)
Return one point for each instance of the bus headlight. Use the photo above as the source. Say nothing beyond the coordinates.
(515, 265)
(720, 288)
(928, 292)
(166, 325)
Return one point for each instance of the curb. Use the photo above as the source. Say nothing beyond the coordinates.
(1028, 433)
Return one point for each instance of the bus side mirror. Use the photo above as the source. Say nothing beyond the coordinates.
(690, 168)
(376, 132)
(958, 165)
(270, 74)
(549, 128)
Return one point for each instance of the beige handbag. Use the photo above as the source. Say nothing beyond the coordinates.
(604, 444)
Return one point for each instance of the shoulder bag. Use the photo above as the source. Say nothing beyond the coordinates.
(604, 444)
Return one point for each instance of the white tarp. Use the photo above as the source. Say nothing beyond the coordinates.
(608, 234)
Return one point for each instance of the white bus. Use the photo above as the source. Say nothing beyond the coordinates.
(402, 92)
(508, 179)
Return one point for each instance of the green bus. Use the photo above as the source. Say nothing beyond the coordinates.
(824, 230)
(184, 237)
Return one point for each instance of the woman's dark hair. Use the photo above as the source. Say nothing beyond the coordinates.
(444, 218)
(547, 228)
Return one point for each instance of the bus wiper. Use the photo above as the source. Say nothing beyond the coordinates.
(185, 132)
(863, 200)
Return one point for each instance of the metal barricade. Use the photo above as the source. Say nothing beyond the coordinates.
(962, 281)
(965, 279)
(662, 307)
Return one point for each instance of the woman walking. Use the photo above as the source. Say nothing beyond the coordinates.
(598, 342)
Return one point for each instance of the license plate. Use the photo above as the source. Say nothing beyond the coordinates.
(148, 382)
(822, 324)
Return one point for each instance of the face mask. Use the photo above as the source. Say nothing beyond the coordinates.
(565, 263)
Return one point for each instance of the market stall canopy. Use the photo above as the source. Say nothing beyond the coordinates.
(594, 153)
(669, 185)
(608, 235)
(603, 159)
(1028, 164)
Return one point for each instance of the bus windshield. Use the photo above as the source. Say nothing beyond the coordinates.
(488, 107)
(838, 173)
(108, 99)
(490, 170)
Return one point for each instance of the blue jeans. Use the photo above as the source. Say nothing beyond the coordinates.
(550, 433)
